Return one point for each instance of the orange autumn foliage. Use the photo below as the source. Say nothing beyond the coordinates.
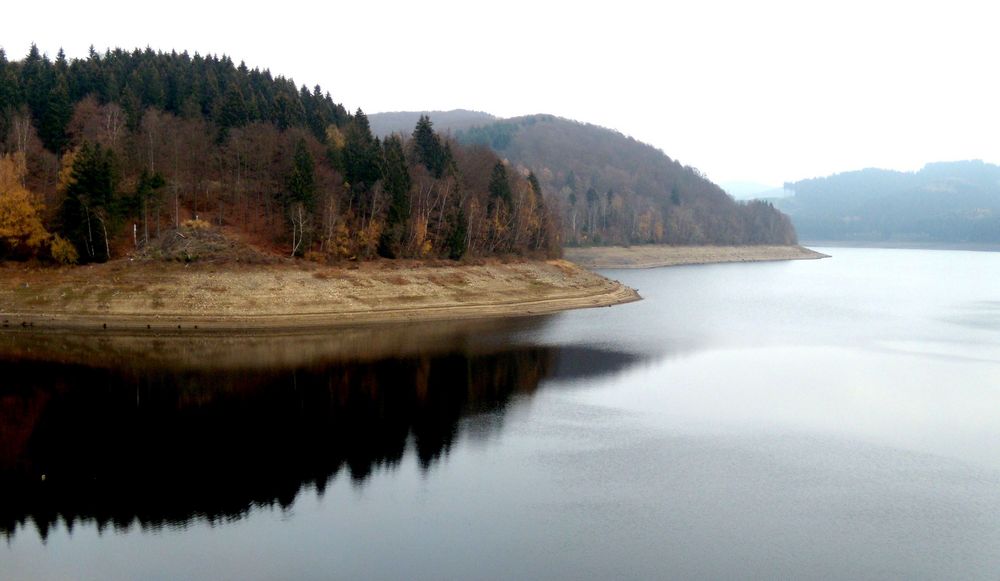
(21, 229)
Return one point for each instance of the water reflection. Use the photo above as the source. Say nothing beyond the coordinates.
(131, 439)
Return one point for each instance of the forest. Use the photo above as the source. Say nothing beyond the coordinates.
(610, 189)
(123, 152)
(950, 202)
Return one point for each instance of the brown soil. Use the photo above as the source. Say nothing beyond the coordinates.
(159, 296)
(652, 256)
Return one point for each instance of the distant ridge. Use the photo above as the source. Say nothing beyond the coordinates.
(753, 190)
(383, 124)
(945, 202)
(610, 188)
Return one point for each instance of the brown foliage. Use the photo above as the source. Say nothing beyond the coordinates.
(21, 229)
(237, 182)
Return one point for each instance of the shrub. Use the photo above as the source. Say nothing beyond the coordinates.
(63, 250)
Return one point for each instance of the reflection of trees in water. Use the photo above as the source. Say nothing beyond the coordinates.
(163, 448)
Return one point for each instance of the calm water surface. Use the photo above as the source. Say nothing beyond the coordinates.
(811, 420)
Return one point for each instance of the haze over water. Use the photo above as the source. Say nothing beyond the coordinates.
(812, 419)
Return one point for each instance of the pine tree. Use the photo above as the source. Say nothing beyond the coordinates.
(428, 147)
(90, 210)
(536, 187)
(232, 111)
(457, 234)
(301, 182)
(317, 117)
(542, 234)
(132, 105)
(500, 186)
(396, 181)
(56, 116)
(360, 155)
(300, 202)
(9, 93)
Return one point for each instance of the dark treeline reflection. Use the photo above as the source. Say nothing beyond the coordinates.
(163, 447)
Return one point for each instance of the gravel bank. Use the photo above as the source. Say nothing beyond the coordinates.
(652, 256)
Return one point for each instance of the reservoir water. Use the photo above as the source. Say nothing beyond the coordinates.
(831, 419)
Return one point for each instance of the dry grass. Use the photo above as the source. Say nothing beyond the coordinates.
(163, 294)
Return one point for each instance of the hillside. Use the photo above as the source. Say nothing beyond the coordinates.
(107, 156)
(950, 202)
(612, 189)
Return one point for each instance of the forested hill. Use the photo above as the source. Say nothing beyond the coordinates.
(384, 124)
(613, 189)
(127, 152)
(953, 202)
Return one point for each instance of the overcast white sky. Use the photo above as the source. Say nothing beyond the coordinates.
(762, 90)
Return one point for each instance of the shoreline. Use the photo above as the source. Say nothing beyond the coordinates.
(904, 245)
(656, 256)
(205, 298)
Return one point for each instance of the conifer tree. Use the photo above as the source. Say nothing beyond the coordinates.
(232, 111)
(360, 155)
(9, 89)
(90, 210)
(500, 186)
(396, 181)
(457, 234)
(300, 202)
(428, 146)
(302, 181)
(58, 112)
(536, 187)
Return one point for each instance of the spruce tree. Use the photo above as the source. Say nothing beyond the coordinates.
(301, 182)
(300, 200)
(457, 233)
(56, 116)
(232, 111)
(396, 181)
(428, 146)
(535, 186)
(500, 186)
(9, 89)
(360, 155)
(90, 212)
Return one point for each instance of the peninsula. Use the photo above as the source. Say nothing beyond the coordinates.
(123, 295)
(657, 255)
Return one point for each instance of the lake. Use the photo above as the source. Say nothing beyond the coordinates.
(821, 419)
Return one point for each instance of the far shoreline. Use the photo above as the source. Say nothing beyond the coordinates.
(657, 256)
(904, 245)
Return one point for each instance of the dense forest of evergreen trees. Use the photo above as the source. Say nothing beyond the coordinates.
(111, 154)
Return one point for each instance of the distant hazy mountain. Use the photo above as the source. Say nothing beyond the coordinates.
(383, 124)
(952, 202)
(754, 191)
(742, 190)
